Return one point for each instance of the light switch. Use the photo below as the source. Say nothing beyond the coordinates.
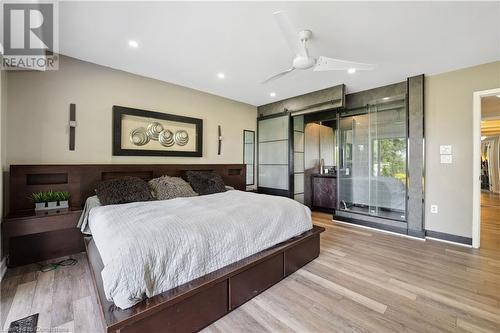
(446, 159)
(434, 209)
(445, 150)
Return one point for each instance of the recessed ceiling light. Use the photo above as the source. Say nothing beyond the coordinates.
(273, 94)
(483, 138)
(221, 75)
(133, 43)
(351, 70)
(385, 98)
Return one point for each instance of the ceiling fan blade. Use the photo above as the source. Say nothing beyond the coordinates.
(330, 64)
(287, 29)
(277, 76)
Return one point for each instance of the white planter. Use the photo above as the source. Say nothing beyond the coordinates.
(52, 204)
(63, 204)
(39, 205)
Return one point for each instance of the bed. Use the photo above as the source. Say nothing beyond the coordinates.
(250, 250)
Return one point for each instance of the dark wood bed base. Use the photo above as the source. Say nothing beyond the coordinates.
(196, 304)
(189, 307)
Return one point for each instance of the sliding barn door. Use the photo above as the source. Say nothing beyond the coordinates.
(274, 175)
(298, 158)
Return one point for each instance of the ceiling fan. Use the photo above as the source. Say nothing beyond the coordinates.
(297, 41)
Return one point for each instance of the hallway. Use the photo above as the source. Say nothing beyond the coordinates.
(490, 221)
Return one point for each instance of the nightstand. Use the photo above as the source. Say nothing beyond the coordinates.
(28, 238)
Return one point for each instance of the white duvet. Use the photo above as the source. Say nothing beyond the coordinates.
(150, 247)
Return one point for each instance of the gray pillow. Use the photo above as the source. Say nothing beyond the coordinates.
(166, 187)
(205, 182)
(123, 190)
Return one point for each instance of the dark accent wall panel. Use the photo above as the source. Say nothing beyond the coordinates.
(416, 156)
(81, 179)
(362, 98)
(325, 99)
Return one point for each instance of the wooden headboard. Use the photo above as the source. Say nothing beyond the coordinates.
(81, 179)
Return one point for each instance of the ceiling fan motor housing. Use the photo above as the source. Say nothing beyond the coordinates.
(305, 34)
(301, 62)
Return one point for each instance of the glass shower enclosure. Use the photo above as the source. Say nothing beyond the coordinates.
(372, 176)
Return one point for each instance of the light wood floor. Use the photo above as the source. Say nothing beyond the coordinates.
(490, 220)
(363, 281)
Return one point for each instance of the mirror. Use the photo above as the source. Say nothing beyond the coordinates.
(249, 154)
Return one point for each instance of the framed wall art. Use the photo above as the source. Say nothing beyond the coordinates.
(147, 133)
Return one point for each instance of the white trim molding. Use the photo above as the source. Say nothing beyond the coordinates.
(476, 168)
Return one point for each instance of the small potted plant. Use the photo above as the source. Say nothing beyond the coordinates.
(63, 198)
(40, 200)
(51, 199)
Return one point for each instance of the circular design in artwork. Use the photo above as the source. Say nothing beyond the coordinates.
(166, 138)
(181, 137)
(138, 136)
(154, 130)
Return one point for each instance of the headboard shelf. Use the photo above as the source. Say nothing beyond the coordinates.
(80, 180)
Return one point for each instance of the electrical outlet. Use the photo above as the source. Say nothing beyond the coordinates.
(434, 209)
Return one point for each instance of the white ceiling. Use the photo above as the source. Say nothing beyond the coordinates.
(188, 43)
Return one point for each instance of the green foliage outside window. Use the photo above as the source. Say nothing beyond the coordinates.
(389, 158)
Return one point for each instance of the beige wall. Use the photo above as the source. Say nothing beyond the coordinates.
(448, 121)
(38, 108)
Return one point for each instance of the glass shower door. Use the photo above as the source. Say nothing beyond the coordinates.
(344, 173)
(373, 188)
(354, 173)
(373, 148)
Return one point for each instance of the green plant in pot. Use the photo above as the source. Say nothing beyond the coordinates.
(51, 199)
(40, 199)
(63, 198)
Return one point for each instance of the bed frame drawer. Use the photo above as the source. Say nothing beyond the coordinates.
(299, 255)
(190, 315)
(254, 280)
(198, 303)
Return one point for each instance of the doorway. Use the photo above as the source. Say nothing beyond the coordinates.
(486, 190)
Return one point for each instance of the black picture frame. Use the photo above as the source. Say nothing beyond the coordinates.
(119, 111)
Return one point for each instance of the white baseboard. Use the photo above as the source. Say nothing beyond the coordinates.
(449, 242)
(379, 230)
(3, 267)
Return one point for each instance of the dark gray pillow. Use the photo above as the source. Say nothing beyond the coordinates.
(123, 190)
(205, 182)
(166, 187)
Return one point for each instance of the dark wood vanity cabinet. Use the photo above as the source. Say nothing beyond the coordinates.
(324, 191)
